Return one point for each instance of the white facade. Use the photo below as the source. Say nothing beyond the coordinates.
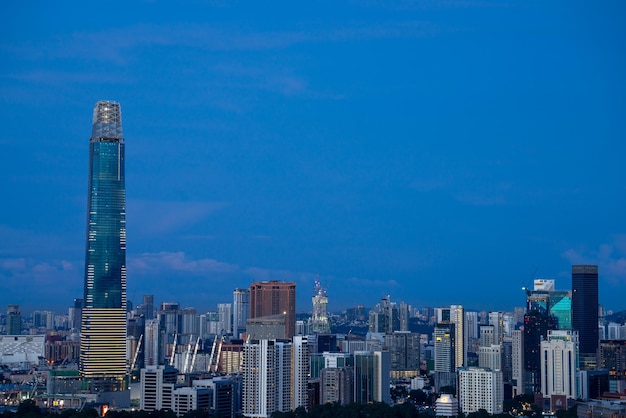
(151, 343)
(480, 388)
(275, 376)
(241, 310)
(559, 363)
(300, 371)
(490, 357)
(157, 385)
(444, 348)
(517, 362)
(457, 317)
(225, 314)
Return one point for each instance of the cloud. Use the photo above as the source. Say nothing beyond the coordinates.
(154, 217)
(165, 262)
(610, 258)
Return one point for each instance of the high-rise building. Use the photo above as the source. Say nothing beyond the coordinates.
(148, 307)
(371, 376)
(559, 364)
(241, 310)
(225, 312)
(585, 307)
(457, 317)
(274, 376)
(404, 349)
(103, 336)
(14, 320)
(536, 327)
(444, 347)
(336, 385)
(274, 298)
(319, 319)
(480, 388)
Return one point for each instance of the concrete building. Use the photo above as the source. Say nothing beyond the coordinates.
(404, 349)
(157, 386)
(274, 376)
(480, 388)
(274, 298)
(241, 310)
(559, 364)
(490, 357)
(336, 385)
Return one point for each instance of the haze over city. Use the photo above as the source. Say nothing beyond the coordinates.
(439, 152)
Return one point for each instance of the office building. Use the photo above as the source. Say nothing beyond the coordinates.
(274, 298)
(371, 377)
(226, 390)
(241, 310)
(585, 307)
(517, 362)
(336, 385)
(147, 308)
(14, 320)
(490, 357)
(480, 388)
(157, 386)
(103, 335)
(404, 350)
(444, 347)
(536, 327)
(559, 364)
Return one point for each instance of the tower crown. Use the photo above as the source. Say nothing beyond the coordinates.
(107, 122)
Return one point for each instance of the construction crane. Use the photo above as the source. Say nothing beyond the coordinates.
(219, 353)
(193, 358)
(212, 353)
(132, 365)
(173, 349)
(187, 353)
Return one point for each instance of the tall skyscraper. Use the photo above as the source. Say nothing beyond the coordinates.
(457, 317)
(319, 319)
(241, 310)
(274, 298)
(585, 307)
(103, 336)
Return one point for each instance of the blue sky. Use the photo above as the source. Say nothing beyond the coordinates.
(441, 152)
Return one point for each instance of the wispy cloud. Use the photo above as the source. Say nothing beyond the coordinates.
(154, 217)
(610, 258)
(167, 262)
(48, 280)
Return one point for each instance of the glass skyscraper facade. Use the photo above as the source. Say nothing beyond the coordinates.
(585, 307)
(103, 336)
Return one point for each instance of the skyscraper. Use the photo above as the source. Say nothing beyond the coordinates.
(585, 307)
(319, 319)
(241, 310)
(103, 336)
(274, 298)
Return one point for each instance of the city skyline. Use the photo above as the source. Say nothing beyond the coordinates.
(438, 152)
